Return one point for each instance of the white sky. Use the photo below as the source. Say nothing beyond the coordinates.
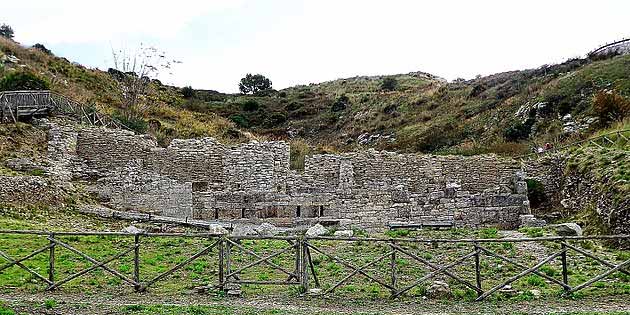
(303, 41)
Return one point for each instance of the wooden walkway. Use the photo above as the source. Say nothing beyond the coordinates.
(16, 105)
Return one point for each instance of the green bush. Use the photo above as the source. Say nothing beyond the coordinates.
(250, 106)
(42, 48)
(16, 81)
(240, 121)
(276, 119)
(535, 193)
(188, 92)
(389, 84)
(519, 130)
(340, 103)
(131, 120)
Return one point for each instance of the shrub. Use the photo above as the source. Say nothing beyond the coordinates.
(298, 151)
(240, 121)
(276, 119)
(610, 106)
(293, 105)
(535, 193)
(6, 31)
(188, 92)
(50, 303)
(250, 106)
(440, 136)
(389, 84)
(42, 48)
(340, 103)
(519, 130)
(22, 81)
(131, 120)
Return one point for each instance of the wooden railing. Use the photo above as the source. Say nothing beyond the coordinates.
(14, 104)
(618, 138)
(304, 273)
(603, 47)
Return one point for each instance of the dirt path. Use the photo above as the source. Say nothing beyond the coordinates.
(536, 249)
(97, 305)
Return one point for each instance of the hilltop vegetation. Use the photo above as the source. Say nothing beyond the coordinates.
(506, 113)
(425, 114)
(164, 117)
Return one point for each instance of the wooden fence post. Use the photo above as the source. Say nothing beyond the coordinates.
(565, 269)
(478, 269)
(228, 263)
(392, 264)
(51, 259)
(304, 263)
(136, 262)
(221, 259)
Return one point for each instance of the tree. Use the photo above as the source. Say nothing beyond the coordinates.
(42, 48)
(254, 83)
(389, 84)
(139, 70)
(6, 31)
(188, 92)
(134, 73)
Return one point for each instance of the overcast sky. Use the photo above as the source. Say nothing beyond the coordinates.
(303, 41)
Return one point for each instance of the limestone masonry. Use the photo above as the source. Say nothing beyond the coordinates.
(204, 179)
(207, 180)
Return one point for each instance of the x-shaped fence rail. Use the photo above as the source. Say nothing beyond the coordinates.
(299, 250)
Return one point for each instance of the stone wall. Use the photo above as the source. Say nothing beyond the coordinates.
(28, 190)
(203, 179)
(135, 189)
(194, 160)
(549, 171)
(106, 149)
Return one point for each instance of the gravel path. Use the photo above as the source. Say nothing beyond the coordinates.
(97, 305)
(535, 249)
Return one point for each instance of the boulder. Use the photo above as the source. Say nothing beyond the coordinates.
(132, 230)
(217, 229)
(21, 164)
(529, 220)
(316, 230)
(438, 289)
(315, 291)
(344, 233)
(568, 229)
(266, 229)
(243, 230)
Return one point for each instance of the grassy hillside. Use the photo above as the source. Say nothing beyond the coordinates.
(506, 113)
(165, 118)
(427, 114)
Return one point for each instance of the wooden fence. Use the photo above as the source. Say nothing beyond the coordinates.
(303, 271)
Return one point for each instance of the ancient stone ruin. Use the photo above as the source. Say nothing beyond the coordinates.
(205, 180)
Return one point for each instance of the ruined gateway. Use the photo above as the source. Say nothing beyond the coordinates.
(206, 180)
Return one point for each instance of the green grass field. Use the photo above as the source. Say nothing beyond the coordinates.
(159, 254)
